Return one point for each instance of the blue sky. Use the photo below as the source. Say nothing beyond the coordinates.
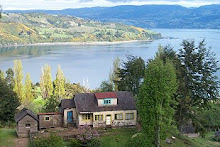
(62, 4)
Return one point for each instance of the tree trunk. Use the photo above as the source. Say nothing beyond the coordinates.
(158, 136)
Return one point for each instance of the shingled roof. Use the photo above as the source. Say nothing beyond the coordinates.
(87, 102)
(23, 113)
(67, 103)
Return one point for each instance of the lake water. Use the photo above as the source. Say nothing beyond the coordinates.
(93, 62)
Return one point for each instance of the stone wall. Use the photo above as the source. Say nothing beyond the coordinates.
(26, 125)
(54, 121)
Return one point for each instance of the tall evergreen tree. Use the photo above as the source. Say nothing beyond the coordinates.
(2, 75)
(131, 74)
(200, 67)
(59, 83)
(113, 76)
(46, 83)
(18, 85)
(29, 96)
(154, 100)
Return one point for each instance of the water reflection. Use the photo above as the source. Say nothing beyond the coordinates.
(24, 50)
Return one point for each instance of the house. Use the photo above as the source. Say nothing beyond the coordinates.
(107, 109)
(49, 120)
(113, 109)
(26, 122)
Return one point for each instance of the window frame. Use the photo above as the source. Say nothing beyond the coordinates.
(86, 117)
(45, 118)
(116, 116)
(107, 102)
(99, 117)
(129, 117)
(28, 126)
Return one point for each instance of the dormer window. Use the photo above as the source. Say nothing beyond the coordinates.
(107, 102)
(106, 99)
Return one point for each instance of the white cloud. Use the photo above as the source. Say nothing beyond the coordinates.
(63, 4)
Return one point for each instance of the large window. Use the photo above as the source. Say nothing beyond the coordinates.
(129, 116)
(86, 116)
(119, 116)
(107, 102)
(98, 117)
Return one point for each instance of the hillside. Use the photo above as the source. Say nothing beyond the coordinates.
(151, 16)
(22, 28)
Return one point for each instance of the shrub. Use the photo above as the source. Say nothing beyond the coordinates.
(75, 143)
(86, 133)
(51, 141)
(94, 143)
(217, 136)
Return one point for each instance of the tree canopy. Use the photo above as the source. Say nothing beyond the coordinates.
(155, 99)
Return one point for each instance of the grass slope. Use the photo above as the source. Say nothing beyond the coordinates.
(121, 137)
(7, 136)
(18, 28)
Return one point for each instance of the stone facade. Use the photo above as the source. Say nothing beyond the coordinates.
(49, 121)
(26, 125)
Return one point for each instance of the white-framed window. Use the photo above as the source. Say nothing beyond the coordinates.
(47, 118)
(107, 102)
(86, 116)
(119, 116)
(27, 125)
(98, 117)
(129, 116)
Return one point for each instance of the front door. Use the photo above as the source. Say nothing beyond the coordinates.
(70, 116)
(108, 120)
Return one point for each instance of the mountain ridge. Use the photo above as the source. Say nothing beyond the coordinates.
(149, 16)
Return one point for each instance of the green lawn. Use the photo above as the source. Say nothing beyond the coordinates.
(206, 142)
(120, 138)
(117, 137)
(7, 136)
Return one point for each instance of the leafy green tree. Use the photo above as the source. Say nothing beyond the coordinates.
(18, 85)
(46, 83)
(29, 96)
(73, 89)
(131, 74)
(106, 86)
(59, 83)
(155, 100)
(113, 76)
(182, 106)
(10, 77)
(51, 104)
(8, 102)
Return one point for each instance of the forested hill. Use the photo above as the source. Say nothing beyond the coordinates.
(29, 28)
(152, 16)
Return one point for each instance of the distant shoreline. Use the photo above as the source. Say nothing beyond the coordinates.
(76, 43)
